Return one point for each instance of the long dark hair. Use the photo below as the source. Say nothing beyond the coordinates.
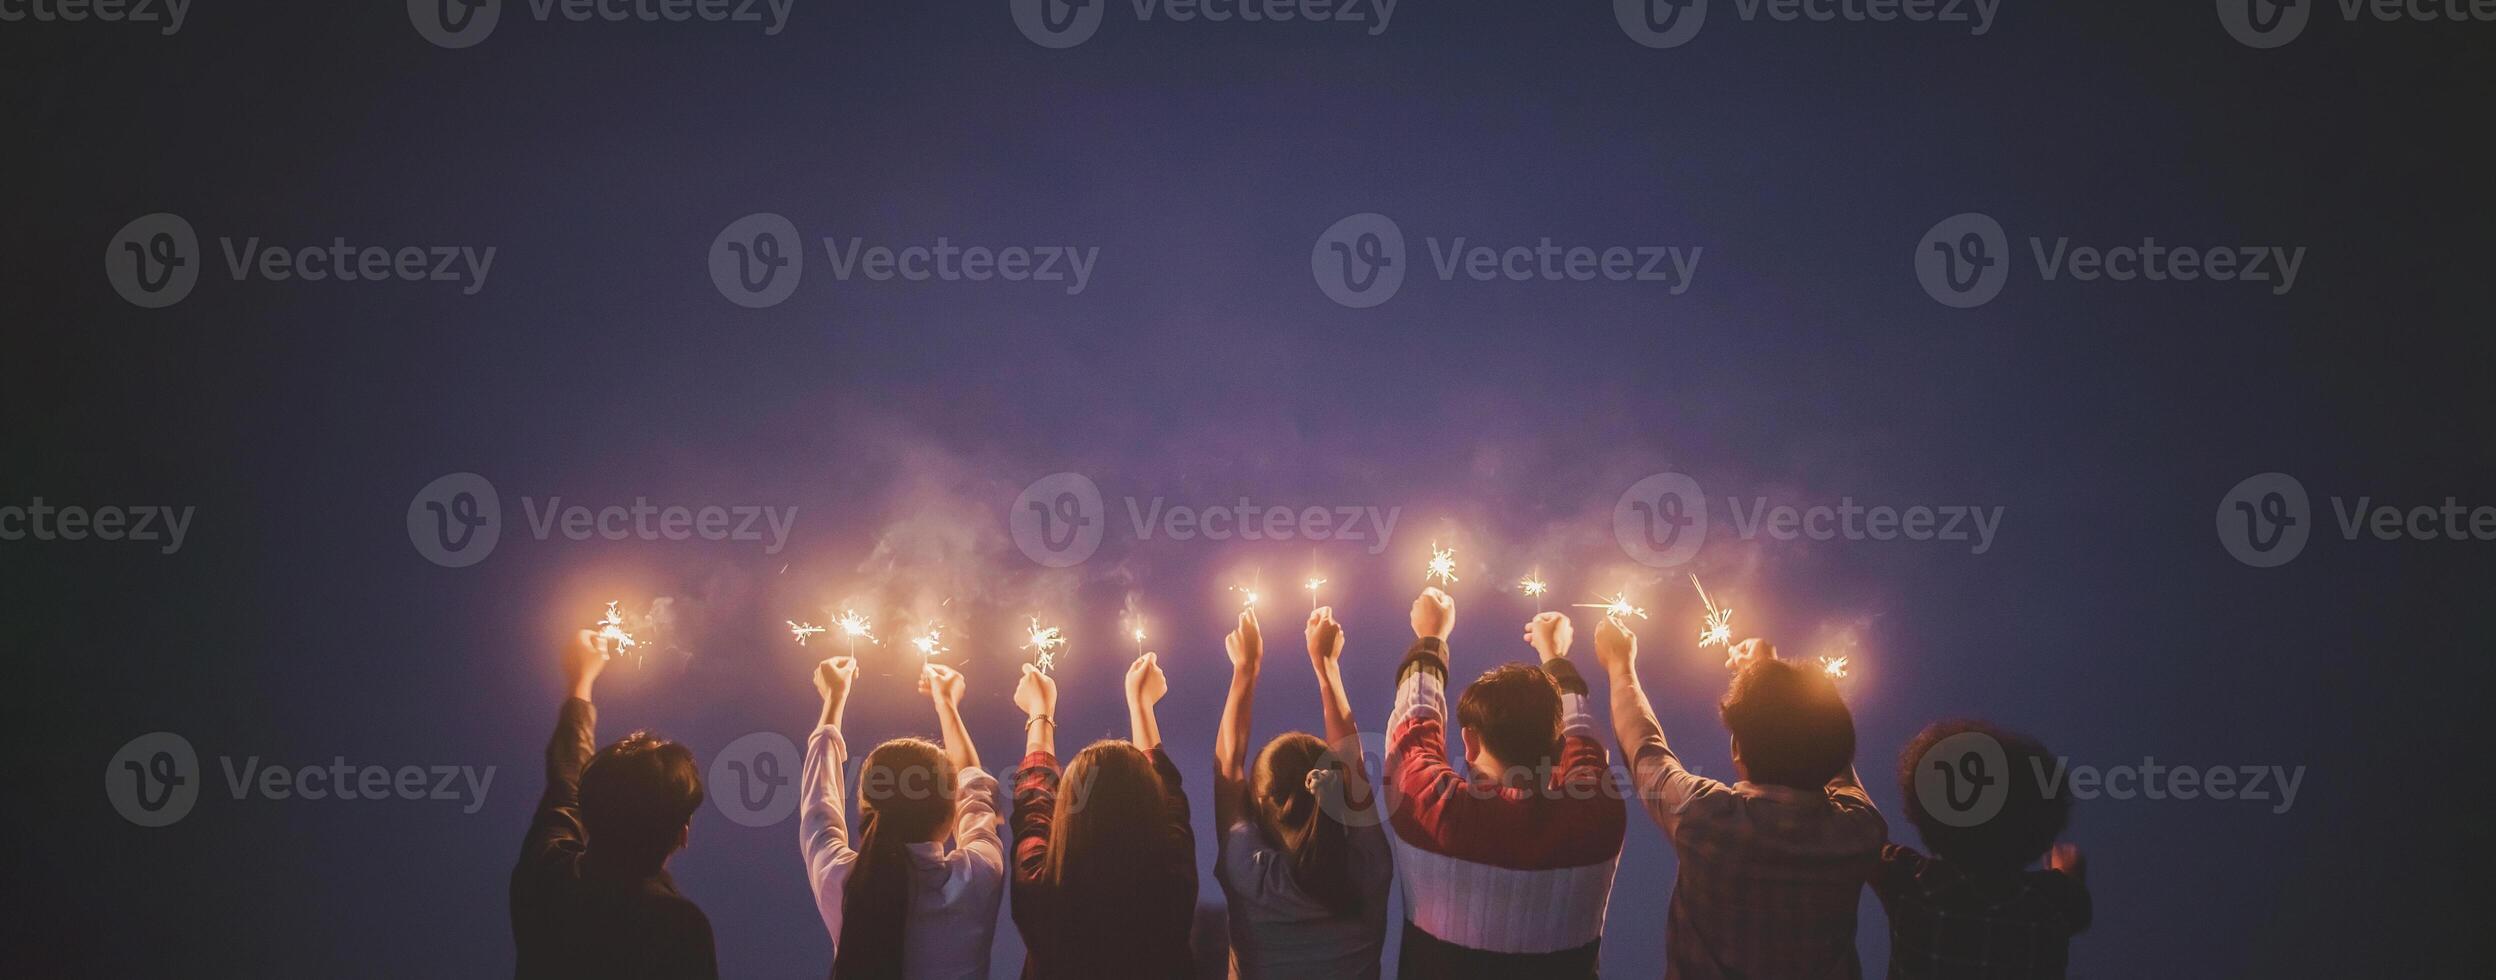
(1109, 806)
(905, 794)
(1298, 793)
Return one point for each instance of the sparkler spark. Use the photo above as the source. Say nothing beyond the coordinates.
(1534, 587)
(1044, 640)
(611, 629)
(1251, 600)
(1442, 565)
(1719, 631)
(1835, 667)
(801, 631)
(1616, 607)
(1312, 587)
(929, 644)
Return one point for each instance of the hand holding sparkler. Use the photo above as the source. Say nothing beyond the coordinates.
(1550, 635)
(833, 679)
(942, 685)
(1740, 655)
(1145, 686)
(1245, 644)
(1616, 648)
(1036, 695)
(1434, 614)
(1325, 638)
(583, 659)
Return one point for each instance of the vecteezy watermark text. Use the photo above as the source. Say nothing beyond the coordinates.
(464, 23)
(1067, 23)
(1662, 521)
(169, 13)
(2266, 519)
(1361, 260)
(1966, 259)
(2265, 24)
(155, 779)
(1058, 520)
(155, 260)
(457, 519)
(39, 520)
(1673, 23)
(757, 260)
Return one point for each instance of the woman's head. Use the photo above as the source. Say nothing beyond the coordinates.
(905, 797)
(1297, 790)
(1109, 803)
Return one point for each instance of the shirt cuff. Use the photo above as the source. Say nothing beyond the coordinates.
(1565, 674)
(1427, 655)
(1575, 720)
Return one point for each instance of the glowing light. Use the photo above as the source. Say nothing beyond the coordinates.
(611, 629)
(1442, 565)
(1835, 667)
(1533, 587)
(1617, 607)
(1044, 641)
(1251, 601)
(929, 644)
(1719, 629)
(800, 631)
(1312, 587)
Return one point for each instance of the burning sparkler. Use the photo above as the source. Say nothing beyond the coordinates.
(854, 625)
(1312, 587)
(1719, 631)
(929, 644)
(1617, 607)
(1442, 565)
(1534, 587)
(800, 631)
(611, 629)
(1045, 641)
(1835, 667)
(1251, 601)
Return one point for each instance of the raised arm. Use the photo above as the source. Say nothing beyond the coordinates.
(823, 823)
(556, 825)
(1145, 686)
(1343, 734)
(1035, 781)
(943, 685)
(1246, 647)
(1663, 784)
(1582, 759)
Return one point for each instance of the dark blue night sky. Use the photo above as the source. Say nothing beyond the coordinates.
(1200, 364)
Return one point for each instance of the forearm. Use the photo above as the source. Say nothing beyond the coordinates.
(832, 710)
(1146, 728)
(1633, 719)
(958, 746)
(1040, 735)
(1230, 742)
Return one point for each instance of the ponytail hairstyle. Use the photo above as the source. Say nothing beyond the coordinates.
(905, 797)
(1298, 799)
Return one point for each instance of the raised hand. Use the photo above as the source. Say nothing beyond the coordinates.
(1434, 614)
(583, 659)
(833, 678)
(941, 684)
(1550, 635)
(1036, 693)
(1616, 648)
(1325, 637)
(1741, 654)
(1246, 644)
(1145, 683)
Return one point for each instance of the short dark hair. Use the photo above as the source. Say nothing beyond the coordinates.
(636, 796)
(1515, 709)
(1793, 728)
(2014, 836)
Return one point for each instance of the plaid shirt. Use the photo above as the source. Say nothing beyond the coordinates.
(1946, 923)
(1768, 875)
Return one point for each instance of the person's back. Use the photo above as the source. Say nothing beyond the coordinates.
(1507, 874)
(1974, 910)
(1303, 859)
(590, 896)
(1769, 868)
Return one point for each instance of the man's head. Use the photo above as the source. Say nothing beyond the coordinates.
(637, 797)
(1789, 726)
(2013, 836)
(1510, 717)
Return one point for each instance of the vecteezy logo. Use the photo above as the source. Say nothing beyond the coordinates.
(1661, 23)
(1964, 260)
(1058, 519)
(1662, 520)
(153, 261)
(1360, 261)
(1059, 23)
(154, 779)
(2264, 521)
(455, 520)
(454, 23)
(1963, 780)
(751, 779)
(2264, 24)
(756, 260)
